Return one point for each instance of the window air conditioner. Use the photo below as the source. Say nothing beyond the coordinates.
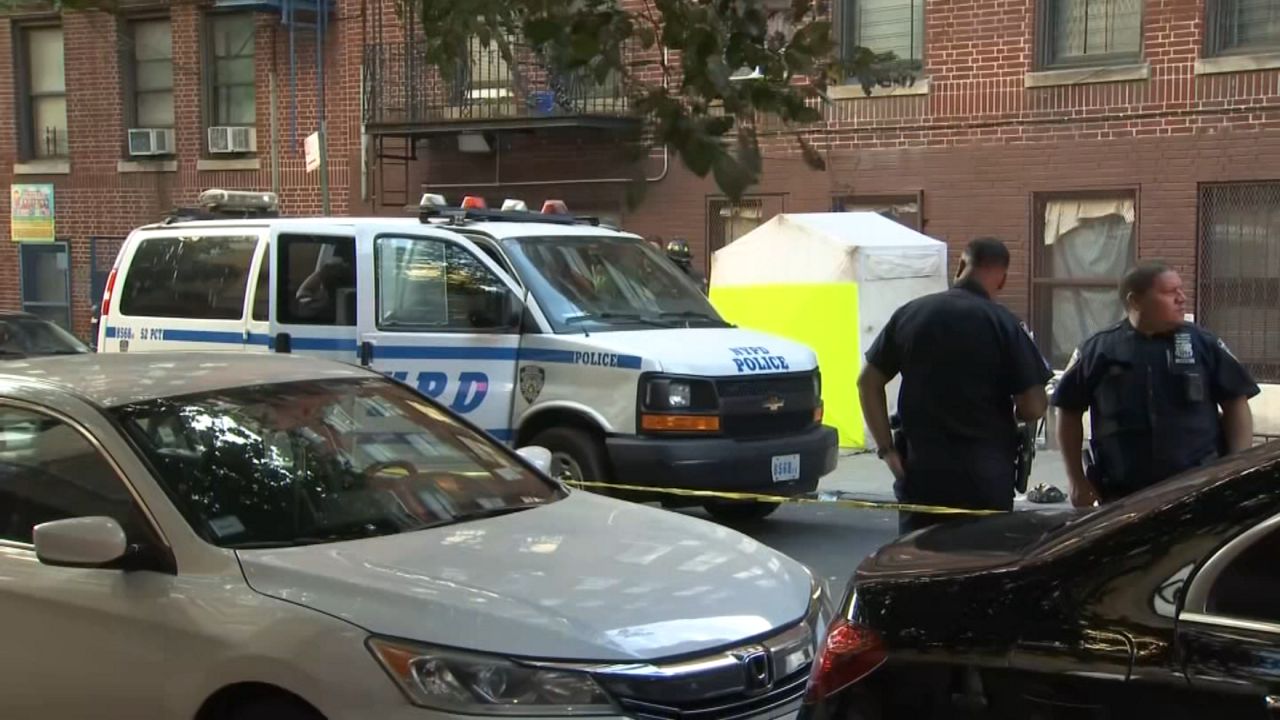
(150, 141)
(233, 139)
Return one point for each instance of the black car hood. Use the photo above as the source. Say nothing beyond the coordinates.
(966, 544)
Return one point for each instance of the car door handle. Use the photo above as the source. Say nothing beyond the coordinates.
(366, 353)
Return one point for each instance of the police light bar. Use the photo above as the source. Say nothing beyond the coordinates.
(512, 204)
(431, 201)
(474, 202)
(238, 200)
(555, 207)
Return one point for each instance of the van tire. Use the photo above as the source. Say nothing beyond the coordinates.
(580, 447)
(739, 513)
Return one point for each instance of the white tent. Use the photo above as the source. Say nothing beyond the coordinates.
(880, 263)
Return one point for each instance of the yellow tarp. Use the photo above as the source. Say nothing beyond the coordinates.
(823, 317)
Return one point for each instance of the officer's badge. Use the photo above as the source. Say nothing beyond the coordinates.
(532, 378)
(1182, 352)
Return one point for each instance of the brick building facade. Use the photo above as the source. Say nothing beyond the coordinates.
(1086, 133)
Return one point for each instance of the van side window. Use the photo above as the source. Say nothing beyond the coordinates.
(197, 277)
(434, 285)
(262, 293)
(318, 283)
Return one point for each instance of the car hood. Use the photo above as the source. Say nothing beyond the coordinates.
(965, 545)
(706, 352)
(584, 578)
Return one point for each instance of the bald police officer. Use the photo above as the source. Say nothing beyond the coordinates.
(967, 365)
(1153, 385)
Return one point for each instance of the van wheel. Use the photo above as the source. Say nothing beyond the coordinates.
(575, 455)
(734, 513)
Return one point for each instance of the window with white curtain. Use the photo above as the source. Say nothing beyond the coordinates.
(1084, 247)
(1090, 32)
(151, 42)
(46, 93)
(884, 26)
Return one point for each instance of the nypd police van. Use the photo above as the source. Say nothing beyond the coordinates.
(539, 327)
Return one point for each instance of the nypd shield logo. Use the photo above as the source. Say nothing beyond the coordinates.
(532, 378)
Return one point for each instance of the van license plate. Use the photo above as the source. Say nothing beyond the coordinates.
(786, 468)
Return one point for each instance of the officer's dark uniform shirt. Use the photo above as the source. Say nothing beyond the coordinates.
(962, 357)
(1153, 401)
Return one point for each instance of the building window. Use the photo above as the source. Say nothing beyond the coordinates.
(728, 222)
(1241, 26)
(1238, 288)
(231, 73)
(885, 26)
(43, 93)
(151, 73)
(903, 209)
(46, 281)
(1090, 32)
(1084, 245)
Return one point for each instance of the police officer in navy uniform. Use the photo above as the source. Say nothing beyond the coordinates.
(968, 367)
(1153, 385)
(679, 253)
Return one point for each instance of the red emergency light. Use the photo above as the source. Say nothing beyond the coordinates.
(474, 202)
(555, 207)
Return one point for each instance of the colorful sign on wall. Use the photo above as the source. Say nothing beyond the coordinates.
(31, 213)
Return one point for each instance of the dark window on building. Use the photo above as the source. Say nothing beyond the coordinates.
(1241, 26)
(434, 285)
(46, 282)
(727, 221)
(49, 471)
(1249, 587)
(318, 280)
(1089, 32)
(904, 209)
(42, 93)
(885, 26)
(1083, 246)
(149, 42)
(194, 277)
(1238, 288)
(230, 74)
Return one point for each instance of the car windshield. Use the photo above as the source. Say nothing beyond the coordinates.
(610, 283)
(33, 336)
(319, 461)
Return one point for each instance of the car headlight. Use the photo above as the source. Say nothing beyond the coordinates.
(678, 394)
(477, 684)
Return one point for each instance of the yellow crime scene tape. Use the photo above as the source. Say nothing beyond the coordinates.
(794, 500)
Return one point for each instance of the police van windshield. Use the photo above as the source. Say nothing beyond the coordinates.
(593, 283)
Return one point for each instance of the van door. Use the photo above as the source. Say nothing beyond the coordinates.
(313, 286)
(179, 290)
(445, 320)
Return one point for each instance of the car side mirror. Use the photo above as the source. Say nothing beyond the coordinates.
(83, 542)
(537, 456)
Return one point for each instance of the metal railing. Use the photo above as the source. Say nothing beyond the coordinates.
(402, 88)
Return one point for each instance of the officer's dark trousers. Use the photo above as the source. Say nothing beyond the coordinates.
(955, 473)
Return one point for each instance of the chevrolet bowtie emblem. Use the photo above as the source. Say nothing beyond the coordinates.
(774, 403)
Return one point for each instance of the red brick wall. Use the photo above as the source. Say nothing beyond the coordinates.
(97, 199)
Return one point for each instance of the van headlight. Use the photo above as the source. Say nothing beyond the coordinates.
(677, 394)
(478, 684)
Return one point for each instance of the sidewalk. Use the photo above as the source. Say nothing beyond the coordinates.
(864, 475)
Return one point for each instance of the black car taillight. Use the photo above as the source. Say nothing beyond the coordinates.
(848, 653)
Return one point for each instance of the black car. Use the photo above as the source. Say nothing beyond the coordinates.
(1163, 605)
(25, 335)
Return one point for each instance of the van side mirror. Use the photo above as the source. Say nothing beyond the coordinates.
(83, 542)
(537, 456)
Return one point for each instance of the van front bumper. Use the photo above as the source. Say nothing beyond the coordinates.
(724, 464)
